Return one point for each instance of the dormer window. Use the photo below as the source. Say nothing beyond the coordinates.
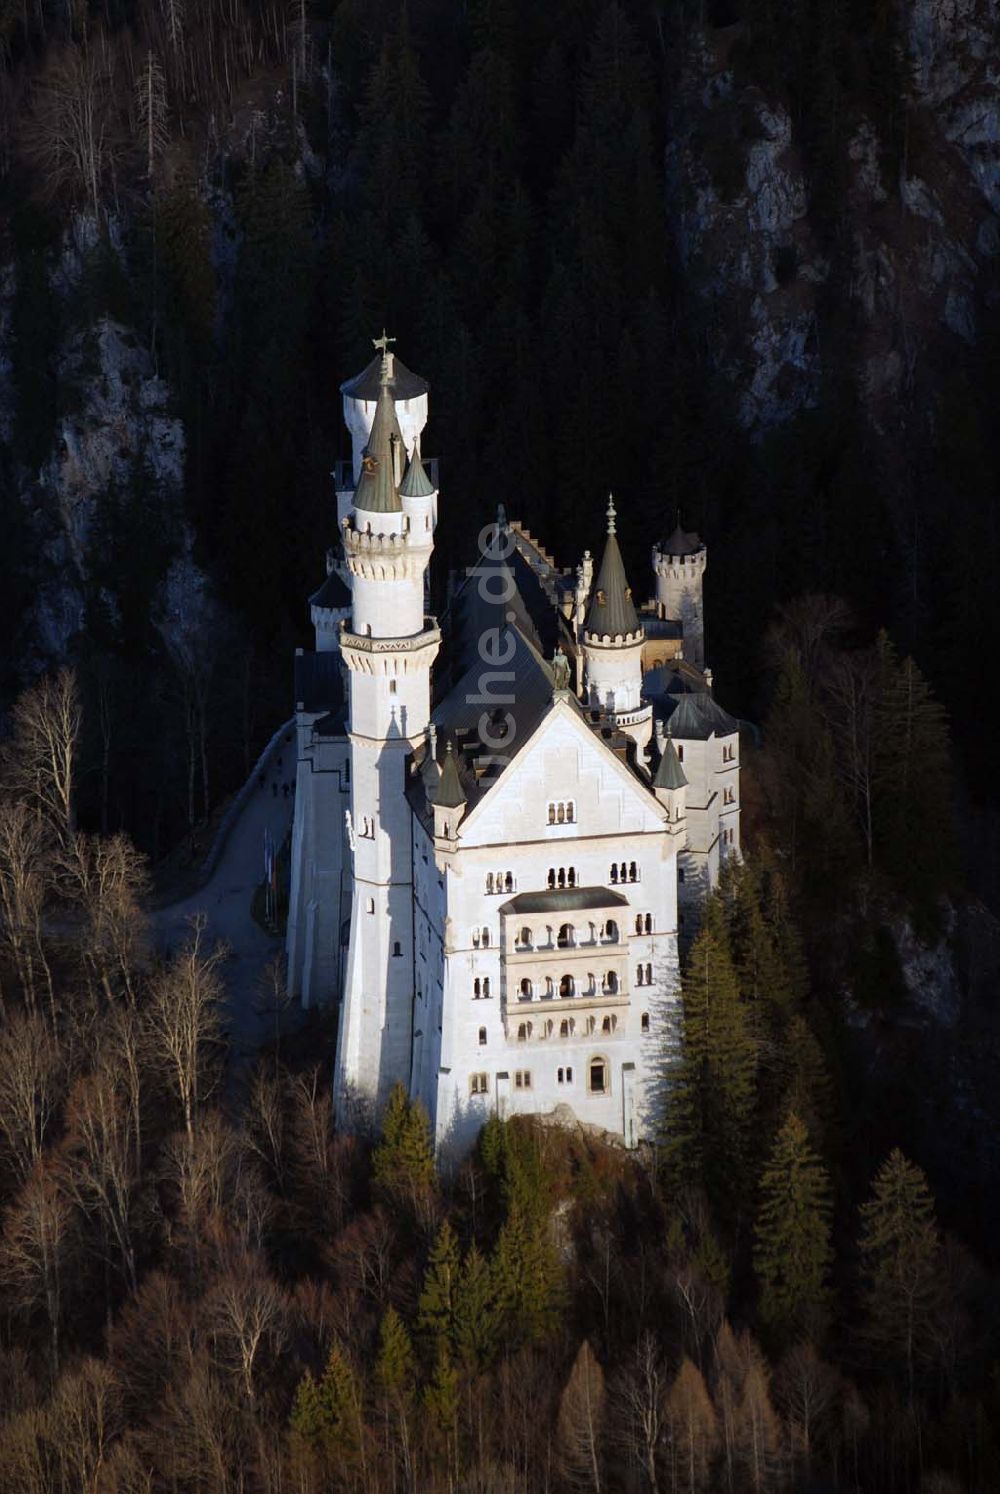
(601, 599)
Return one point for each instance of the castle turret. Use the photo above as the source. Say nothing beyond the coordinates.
(612, 645)
(330, 606)
(679, 564)
(670, 784)
(388, 647)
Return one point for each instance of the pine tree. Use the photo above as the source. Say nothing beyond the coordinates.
(441, 1402)
(308, 1416)
(526, 1280)
(901, 1254)
(792, 1253)
(438, 1298)
(805, 1081)
(713, 1094)
(403, 1161)
(475, 1311)
(394, 1364)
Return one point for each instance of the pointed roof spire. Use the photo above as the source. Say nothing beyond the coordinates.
(669, 773)
(450, 793)
(416, 483)
(612, 610)
(376, 492)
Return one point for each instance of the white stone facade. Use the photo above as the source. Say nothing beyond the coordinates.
(488, 881)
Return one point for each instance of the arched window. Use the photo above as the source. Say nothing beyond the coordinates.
(486, 939)
(550, 989)
(609, 1024)
(561, 814)
(489, 882)
(477, 988)
(638, 975)
(565, 1027)
(547, 1030)
(566, 986)
(475, 938)
(638, 924)
(645, 1021)
(486, 985)
(679, 749)
(526, 991)
(525, 938)
(597, 1076)
(562, 876)
(649, 923)
(523, 1031)
(611, 931)
(552, 877)
(508, 882)
(482, 1037)
(614, 873)
(572, 876)
(611, 983)
(649, 975)
(565, 936)
(397, 949)
(633, 874)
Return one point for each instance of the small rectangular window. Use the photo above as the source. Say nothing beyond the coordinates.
(479, 1084)
(482, 1037)
(522, 1078)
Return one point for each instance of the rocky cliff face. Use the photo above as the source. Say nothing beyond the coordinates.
(916, 249)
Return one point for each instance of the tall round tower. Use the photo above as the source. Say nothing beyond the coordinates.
(679, 564)
(388, 647)
(612, 645)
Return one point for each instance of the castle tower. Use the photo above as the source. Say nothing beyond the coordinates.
(679, 564)
(612, 645)
(388, 647)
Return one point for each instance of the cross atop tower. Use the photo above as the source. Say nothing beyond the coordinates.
(386, 371)
(382, 343)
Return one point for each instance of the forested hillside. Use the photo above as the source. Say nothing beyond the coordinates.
(728, 262)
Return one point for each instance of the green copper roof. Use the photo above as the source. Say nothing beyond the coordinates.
(611, 609)
(416, 483)
(669, 773)
(450, 793)
(682, 542)
(376, 492)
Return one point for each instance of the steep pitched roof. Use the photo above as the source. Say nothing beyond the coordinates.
(376, 492)
(696, 716)
(402, 383)
(449, 793)
(611, 610)
(682, 542)
(333, 593)
(669, 773)
(416, 483)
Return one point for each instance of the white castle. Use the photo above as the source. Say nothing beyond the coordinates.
(502, 820)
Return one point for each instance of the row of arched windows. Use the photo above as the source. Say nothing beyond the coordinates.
(644, 923)
(499, 882)
(566, 937)
(562, 876)
(568, 986)
(624, 871)
(562, 812)
(644, 975)
(526, 1030)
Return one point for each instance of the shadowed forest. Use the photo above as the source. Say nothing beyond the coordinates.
(202, 1286)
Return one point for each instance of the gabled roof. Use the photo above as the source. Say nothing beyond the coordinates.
(376, 491)
(669, 773)
(611, 611)
(402, 383)
(333, 593)
(416, 483)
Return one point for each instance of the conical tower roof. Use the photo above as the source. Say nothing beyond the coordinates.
(416, 483)
(450, 793)
(669, 773)
(377, 492)
(611, 609)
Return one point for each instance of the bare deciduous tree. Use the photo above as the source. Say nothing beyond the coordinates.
(693, 1428)
(85, 1416)
(31, 1087)
(247, 1317)
(185, 1022)
(26, 874)
(581, 1421)
(35, 1249)
(72, 132)
(807, 1389)
(108, 879)
(40, 760)
(99, 1174)
(151, 106)
(638, 1402)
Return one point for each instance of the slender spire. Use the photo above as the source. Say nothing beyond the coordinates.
(669, 773)
(416, 483)
(377, 492)
(450, 793)
(612, 610)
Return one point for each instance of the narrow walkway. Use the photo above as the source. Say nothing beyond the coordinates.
(226, 898)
